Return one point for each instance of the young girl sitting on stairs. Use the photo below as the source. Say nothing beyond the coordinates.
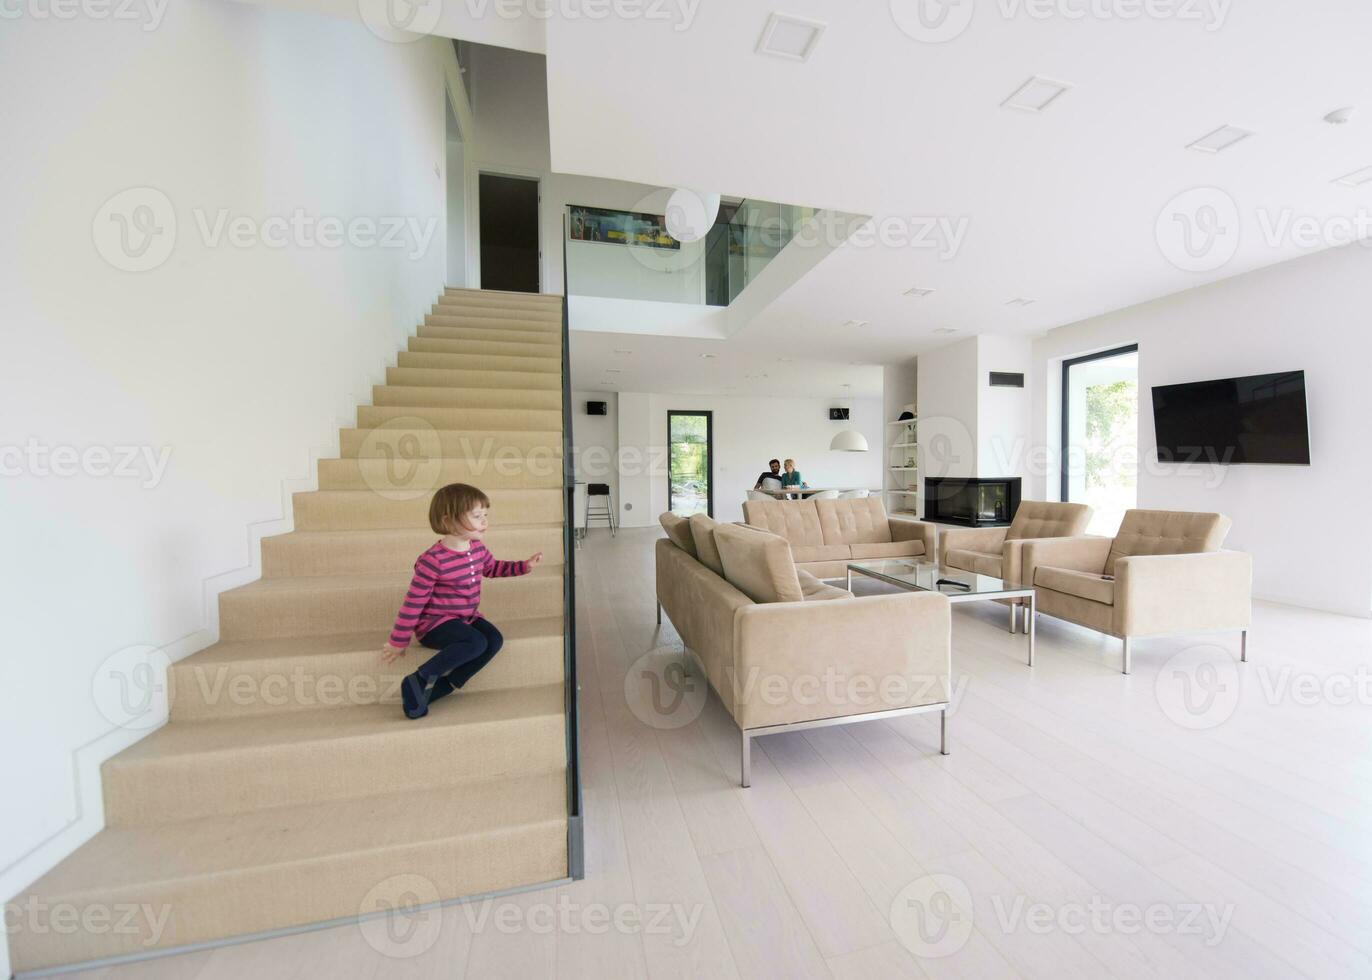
(441, 605)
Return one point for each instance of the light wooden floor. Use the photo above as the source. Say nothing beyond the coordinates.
(1070, 788)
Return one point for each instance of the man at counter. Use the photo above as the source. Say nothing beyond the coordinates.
(773, 472)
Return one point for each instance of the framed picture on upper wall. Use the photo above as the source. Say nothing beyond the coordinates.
(587, 224)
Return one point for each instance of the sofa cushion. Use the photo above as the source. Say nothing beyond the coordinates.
(758, 564)
(1084, 585)
(981, 562)
(823, 552)
(853, 521)
(889, 549)
(794, 520)
(1048, 519)
(1166, 532)
(816, 591)
(703, 535)
(679, 531)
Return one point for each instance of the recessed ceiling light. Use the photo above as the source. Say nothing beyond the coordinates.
(1019, 301)
(790, 37)
(919, 292)
(1221, 139)
(945, 330)
(855, 324)
(708, 357)
(785, 360)
(1356, 179)
(1036, 94)
(1340, 116)
(613, 371)
(622, 350)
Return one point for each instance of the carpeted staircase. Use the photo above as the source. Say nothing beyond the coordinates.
(288, 787)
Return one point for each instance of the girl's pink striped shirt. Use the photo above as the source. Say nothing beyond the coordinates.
(447, 585)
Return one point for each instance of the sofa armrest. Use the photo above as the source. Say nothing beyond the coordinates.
(1192, 593)
(909, 529)
(804, 661)
(988, 539)
(1082, 554)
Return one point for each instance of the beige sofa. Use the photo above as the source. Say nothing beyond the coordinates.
(786, 652)
(825, 535)
(999, 551)
(1162, 574)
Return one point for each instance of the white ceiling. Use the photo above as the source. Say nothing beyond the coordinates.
(1059, 207)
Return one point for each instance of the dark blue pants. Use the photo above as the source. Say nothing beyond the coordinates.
(463, 649)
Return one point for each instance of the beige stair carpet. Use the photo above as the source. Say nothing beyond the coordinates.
(288, 788)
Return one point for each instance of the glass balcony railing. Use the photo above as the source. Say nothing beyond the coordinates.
(623, 262)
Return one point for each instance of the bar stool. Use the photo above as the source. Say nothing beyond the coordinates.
(604, 509)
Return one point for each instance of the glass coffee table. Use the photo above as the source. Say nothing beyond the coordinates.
(957, 584)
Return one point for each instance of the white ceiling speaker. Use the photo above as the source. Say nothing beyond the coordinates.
(849, 441)
(690, 214)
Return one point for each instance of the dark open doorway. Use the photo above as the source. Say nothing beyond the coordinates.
(509, 233)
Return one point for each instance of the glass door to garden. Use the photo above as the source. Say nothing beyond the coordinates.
(1100, 429)
(689, 455)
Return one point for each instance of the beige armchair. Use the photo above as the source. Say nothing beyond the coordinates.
(999, 551)
(1161, 575)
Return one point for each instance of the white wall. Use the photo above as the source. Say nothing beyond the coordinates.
(456, 265)
(240, 362)
(1003, 414)
(595, 439)
(947, 398)
(747, 433)
(1305, 526)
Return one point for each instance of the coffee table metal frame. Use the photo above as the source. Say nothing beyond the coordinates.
(955, 595)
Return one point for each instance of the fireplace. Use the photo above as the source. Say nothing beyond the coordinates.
(971, 501)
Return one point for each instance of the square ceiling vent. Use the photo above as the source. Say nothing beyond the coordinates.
(785, 36)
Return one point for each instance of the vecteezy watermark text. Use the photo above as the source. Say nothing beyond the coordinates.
(147, 13)
(34, 458)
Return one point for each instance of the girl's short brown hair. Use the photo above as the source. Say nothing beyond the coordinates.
(451, 504)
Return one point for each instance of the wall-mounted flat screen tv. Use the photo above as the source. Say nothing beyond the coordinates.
(1257, 419)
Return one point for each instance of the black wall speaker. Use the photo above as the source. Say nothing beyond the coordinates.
(597, 408)
(838, 415)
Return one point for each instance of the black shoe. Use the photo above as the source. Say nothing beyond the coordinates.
(414, 695)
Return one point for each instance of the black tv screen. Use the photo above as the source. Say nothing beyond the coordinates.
(1257, 419)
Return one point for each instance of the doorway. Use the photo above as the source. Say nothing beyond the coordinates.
(690, 455)
(1100, 434)
(509, 233)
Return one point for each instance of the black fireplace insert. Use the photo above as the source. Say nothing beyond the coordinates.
(972, 501)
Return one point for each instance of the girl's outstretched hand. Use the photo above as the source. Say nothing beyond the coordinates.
(534, 559)
(389, 653)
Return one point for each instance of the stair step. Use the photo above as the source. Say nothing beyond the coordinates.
(306, 554)
(480, 362)
(444, 395)
(255, 677)
(415, 474)
(493, 419)
(197, 769)
(551, 307)
(459, 378)
(448, 345)
(503, 296)
(506, 335)
(549, 328)
(402, 443)
(368, 510)
(329, 604)
(225, 876)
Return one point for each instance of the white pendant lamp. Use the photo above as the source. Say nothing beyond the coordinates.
(691, 214)
(849, 440)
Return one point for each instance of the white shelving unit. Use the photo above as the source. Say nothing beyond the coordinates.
(901, 479)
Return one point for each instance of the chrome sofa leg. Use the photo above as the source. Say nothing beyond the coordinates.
(746, 759)
(1126, 654)
(943, 732)
(1243, 646)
